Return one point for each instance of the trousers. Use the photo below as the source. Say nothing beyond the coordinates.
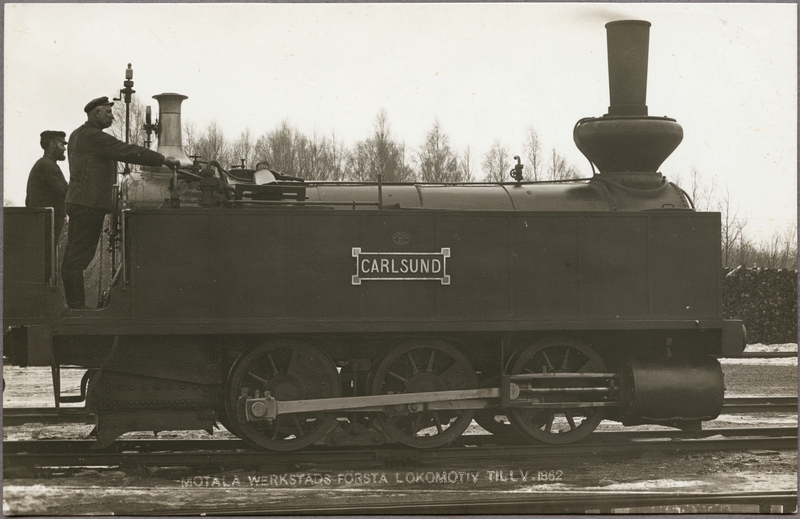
(83, 232)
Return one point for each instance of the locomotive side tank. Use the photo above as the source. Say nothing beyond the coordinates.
(297, 312)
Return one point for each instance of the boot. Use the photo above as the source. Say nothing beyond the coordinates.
(73, 288)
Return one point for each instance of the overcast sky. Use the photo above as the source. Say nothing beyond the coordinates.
(726, 72)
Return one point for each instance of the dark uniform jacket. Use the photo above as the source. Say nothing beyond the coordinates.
(93, 156)
(47, 186)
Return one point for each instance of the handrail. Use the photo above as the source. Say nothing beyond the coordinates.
(123, 249)
(300, 203)
(53, 248)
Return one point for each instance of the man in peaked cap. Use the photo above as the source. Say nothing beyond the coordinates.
(46, 184)
(93, 156)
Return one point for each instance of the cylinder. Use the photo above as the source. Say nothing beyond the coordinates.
(628, 44)
(170, 138)
(671, 390)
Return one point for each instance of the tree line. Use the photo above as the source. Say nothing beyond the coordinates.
(738, 246)
(326, 157)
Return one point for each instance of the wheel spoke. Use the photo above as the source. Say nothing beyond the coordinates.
(438, 422)
(549, 425)
(430, 361)
(398, 377)
(566, 358)
(297, 424)
(272, 365)
(547, 361)
(585, 367)
(263, 381)
(414, 369)
(570, 420)
(417, 424)
(278, 422)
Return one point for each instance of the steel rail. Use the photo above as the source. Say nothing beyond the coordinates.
(768, 354)
(544, 503)
(760, 404)
(46, 415)
(472, 440)
(50, 415)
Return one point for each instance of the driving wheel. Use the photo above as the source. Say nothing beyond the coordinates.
(420, 367)
(559, 424)
(289, 371)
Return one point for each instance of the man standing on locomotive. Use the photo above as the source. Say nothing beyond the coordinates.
(93, 156)
(47, 186)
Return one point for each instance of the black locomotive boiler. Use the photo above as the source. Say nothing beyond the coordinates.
(300, 312)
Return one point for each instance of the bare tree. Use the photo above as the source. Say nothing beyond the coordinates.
(533, 154)
(789, 237)
(324, 158)
(313, 156)
(308, 155)
(190, 138)
(243, 149)
(496, 164)
(136, 130)
(701, 190)
(213, 146)
(278, 148)
(732, 230)
(381, 155)
(741, 250)
(289, 151)
(779, 251)
(466, 170)
(137, 113)
(559, 169)
(335, 159)
(435, 159)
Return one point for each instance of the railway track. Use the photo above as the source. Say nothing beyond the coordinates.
(235, 453)
(178, 460)
(49, 415)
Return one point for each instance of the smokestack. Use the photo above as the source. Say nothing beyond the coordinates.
(625, 143)
(628, 45)
(170, 138)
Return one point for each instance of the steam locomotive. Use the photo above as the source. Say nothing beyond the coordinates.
(299, 312)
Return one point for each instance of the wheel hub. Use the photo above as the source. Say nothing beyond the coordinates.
(286, 387)
(424, 383)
